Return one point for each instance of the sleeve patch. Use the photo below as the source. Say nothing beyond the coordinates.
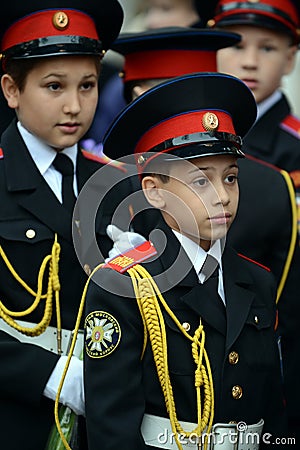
(103, 334)
(1, 153)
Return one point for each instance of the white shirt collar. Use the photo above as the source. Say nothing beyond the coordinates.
(42, 154)
(266, 104)
(196, 254)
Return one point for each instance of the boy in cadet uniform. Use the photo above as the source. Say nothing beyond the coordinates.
(266, 53)
(51, 53)
(265, 231)
(184, 342)
(266, 235)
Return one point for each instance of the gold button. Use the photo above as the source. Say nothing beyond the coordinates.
(186, 326)
(237, 392)
(30, 233)
(60, 20)
(210, 121)
(141, 160)
(256, 319)
(87, 269)
(233, 357)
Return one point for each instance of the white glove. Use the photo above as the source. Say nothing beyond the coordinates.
(72, 393)
(123, 240)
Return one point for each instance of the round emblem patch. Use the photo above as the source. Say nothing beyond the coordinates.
(103, 334)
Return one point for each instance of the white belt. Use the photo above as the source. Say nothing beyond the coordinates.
(48, 339)
(157, 432)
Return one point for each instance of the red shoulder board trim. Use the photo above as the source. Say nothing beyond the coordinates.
(1, 153)
(103, 159)
(291, 124)
(136, 255)
(295, 176)
(264, 163)
(254, 262)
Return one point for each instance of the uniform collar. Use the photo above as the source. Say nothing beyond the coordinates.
(266, 104)
(197, 255)
(42, 154)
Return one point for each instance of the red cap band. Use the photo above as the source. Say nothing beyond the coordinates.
(154, 64)
(280, 11)
(46, 23)
(180, 125)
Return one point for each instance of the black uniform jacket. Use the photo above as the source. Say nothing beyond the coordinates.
(27, 203)
(120, 387)
(270, 141)
(262, 230)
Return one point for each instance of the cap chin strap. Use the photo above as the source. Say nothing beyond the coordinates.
(207, 137)
(55, 45)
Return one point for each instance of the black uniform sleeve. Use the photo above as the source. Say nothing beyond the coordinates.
(113, 365)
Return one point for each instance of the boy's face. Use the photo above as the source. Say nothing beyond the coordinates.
(59, 99)
(168, 13)
(261, 59)
(200, 199)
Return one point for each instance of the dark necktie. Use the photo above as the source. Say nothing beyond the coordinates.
(65, 166)
(210, 266)
(210, 269)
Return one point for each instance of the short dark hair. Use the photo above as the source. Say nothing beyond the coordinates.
(155, 169)
(19, 69)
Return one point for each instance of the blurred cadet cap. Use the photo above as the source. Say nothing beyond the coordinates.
(279, 15)
(170, 52)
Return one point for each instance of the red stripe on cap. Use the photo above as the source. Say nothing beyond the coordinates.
(287, 8)
(180, 125)
(40, 24)
(167, 63)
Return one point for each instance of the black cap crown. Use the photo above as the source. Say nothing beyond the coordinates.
(35, 28)
(194, 115)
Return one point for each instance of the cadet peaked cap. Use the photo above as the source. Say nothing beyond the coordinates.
(171, 52)
(35, 28)
(279, 15)
(199, 114)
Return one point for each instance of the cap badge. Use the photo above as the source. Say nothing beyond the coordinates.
(60, 20)
(103, 334)
(210, 121)
(141, 160)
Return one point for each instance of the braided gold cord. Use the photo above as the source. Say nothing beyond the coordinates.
(71, 351)
(134, 283)
(149, 298)
(53, 285)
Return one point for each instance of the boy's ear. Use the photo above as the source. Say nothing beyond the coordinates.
(10, 91)
(152, 189)
(291, 59)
